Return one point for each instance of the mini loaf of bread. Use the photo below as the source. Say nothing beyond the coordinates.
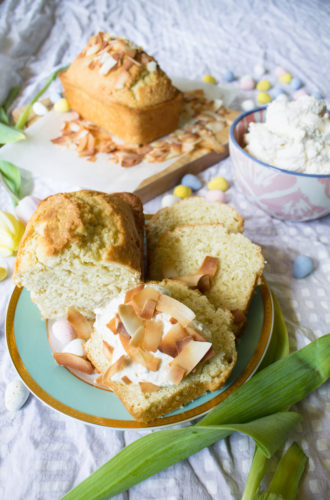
(146, 404)
(117, 86)
(182, 251)
(80, 249)
(192, 210)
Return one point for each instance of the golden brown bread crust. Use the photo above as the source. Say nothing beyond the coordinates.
(119, 87)
(113, 222)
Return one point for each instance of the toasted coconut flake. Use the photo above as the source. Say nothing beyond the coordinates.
(124, 342)
(126, 380)
(93, 49)
(181, 343)
(116, 367)
(112, 325)
(176, 309)
(148, 309)
(191, 354)
(176, 374)
(144, 358)
(169, 342)
(99, 380)
(200, 281)
(131, 160)
(209, 266)
(139, 302)
(108, 64)
(153, 332)
(130, 294)
(122, 330)
(107, 350)
(204, 283)
(129, 318)
(195, 334)
(210, 353)
(81, 326)
(73, 361)
(137, 338)
(239, 316)
(148, 387)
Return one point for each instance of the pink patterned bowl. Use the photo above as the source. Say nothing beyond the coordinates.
(281, 193)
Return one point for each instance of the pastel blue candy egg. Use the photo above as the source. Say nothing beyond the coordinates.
(276, 91)
(229, 76)
(296, 83)
(317, 95)
(302, 266)
(191, 181)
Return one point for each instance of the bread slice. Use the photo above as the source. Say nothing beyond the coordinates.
(181, 252)
(192, 210)
(208, 375)
(80, 249)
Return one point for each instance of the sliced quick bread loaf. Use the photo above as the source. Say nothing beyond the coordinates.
(80, 249)
(214, 325)
(181, 252)
(192, 210)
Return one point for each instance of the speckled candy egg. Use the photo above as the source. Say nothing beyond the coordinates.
(191, 181)
(247, 105)
(216, 195)
(63, 331)
(169, 199)
(279, 71)
(229, 76)
(16, 395)
(247, 83)
(302, 266)
(259, 70)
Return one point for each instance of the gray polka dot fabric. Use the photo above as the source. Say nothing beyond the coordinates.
(43, 453)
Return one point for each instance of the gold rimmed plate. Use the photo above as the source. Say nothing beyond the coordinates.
(54, 385)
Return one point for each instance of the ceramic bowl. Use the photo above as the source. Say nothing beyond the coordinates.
(281, 193)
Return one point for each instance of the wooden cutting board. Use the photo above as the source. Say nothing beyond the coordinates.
(194, 162)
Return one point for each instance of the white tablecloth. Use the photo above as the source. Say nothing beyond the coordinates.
(43, 453)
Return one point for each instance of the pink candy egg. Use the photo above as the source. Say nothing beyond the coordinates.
(63, 331)
(216, 195)
(279, 71)
(247, 83)
(299, 93)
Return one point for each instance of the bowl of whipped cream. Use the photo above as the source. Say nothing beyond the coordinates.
(281, 157)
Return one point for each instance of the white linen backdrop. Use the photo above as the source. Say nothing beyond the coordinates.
(43, 453)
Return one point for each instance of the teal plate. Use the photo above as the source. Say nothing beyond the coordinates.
(56, 386)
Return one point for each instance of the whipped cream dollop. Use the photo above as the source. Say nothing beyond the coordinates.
(295, 136)
(135, 371)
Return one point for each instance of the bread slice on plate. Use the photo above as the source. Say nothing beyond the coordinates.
(192, 210)
(154, 379)
(80, 249)
(182, 251)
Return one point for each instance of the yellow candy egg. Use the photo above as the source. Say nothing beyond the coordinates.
(209, 79)
(286, 78)
(11, 232)
(263, 98)
(182, 191)
(218, 183)
(264, 85)
(3, 273)
(62, 105)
